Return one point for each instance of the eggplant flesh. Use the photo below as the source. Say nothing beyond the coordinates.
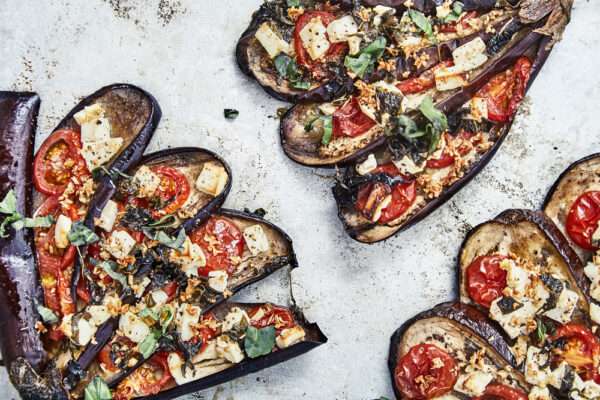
(578, 178)
(460, 330)
(528, 235)
(22, 350)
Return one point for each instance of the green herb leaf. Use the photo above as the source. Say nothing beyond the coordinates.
(173, 243)
(287, 68)
(8, 205)
(9, 220)
(81, 235)
(149, 312)
(457, 9)
(311, 124)
(376, 48)
(230, 113)
(259, 342)
(112, 173)
(166, 317)
(367, 57)
(150, 343)
(110, 268)
(293, 3)
(410, 128)
(435, 116)
(301, 85)
(168, 221)
(37, 222)
(541, 330)
(97, 389)
(47, 314)
(327, 129)
(421, 21)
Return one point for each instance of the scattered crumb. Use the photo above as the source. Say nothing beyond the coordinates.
(168, 10)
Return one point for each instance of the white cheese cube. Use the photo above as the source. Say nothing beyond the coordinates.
(327, 108)
(235, 318)
(591, 390)
(413, 101)
(256, 239)
(61, 231)
(187, 316)
(133, 327)
(96, 154)
(479, 109)
(533, 373)
(538, 294)
(555, 378)
(190, 258)
(314, 38)
(108, 216)
(217, 280)
(212, 179)
(470, 55)
(449, 78)
(538, 393)
(342, 28)
(146, 182)
(89, 113)
(85, 332)
(159, 297)
(592, 271)
(354, 45)
(473, 383)
(99, 314)
(595, 290)
(407, 166)
(517, 278)
(367, 166)
(229, 349)
(97, 130)
(565, 305)
(517, 322)
(120, 244)
(208, 352)
(595, 313)
(271, 41)
(290, 336)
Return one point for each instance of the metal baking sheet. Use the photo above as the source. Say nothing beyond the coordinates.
(182, 52)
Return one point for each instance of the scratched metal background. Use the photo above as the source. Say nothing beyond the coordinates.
(182, 52)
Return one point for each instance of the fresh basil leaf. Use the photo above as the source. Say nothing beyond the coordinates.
(149, 345)
(9, 220)
(421, 21)
(97, 389)
(47, 314)
(301, 85)
(168, 221)
(376, 48)
(109, 268)
(287, 68)
(173, 243)
(294, 3)
(434, 137)
(166, 317)
(259, 342)
(359, 65)
(8, 205)
(81, 235)
(327, 129)
(112, 173)
(230, 113)
(435, 116)
(37, 222)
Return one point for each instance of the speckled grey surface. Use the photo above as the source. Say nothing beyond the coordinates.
(182, 52)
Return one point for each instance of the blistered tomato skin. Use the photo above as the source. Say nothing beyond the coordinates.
(485, 279)
(582, 220)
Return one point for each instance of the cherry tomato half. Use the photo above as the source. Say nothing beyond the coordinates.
(583, 218)
(425, 372)
(349, 120)
(447, 159)
(174, 189)
(278, 317)
(58, 159)
(485, 279)
(581, 350)
(463, 22)
(501, 392)
(335, 49)
(423, 82)
(221, 240)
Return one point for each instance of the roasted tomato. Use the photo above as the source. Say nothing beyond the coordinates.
(270, 315)
(173, 191)
(222, 243)
(501, 392)
(398, 199)
(583, 218)
(54, 264)
(447, 159)
(423, 82)
(149, 379)
(58, 159)
(581, 350)
(425, 372)
(463, 23)
(485, 279)
(505, 91)
(335, 49)
(349, 120)
(118, 349)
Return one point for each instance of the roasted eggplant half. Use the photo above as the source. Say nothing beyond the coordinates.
(23, 352)
(233, 340)
(453, 351)
(519, 270)
(267, 52)
(157, 270)
(573, 203)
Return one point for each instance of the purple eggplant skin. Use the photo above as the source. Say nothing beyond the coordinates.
(579, 177)
(248, 54)
(380, 232)
(22, 350)
(314, 338)
(468, 319)
(533, 236)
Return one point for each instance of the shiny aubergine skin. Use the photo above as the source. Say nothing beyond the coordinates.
(540, 56)
(328, 91)
(314, 338)
(23, 353)
(468, 317)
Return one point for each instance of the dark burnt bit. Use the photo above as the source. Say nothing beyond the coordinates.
(168, 10)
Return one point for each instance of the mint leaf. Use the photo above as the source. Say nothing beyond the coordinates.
(97, 389)
(259, 342)
(287, 68)
(171, 242)
(81, 235)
